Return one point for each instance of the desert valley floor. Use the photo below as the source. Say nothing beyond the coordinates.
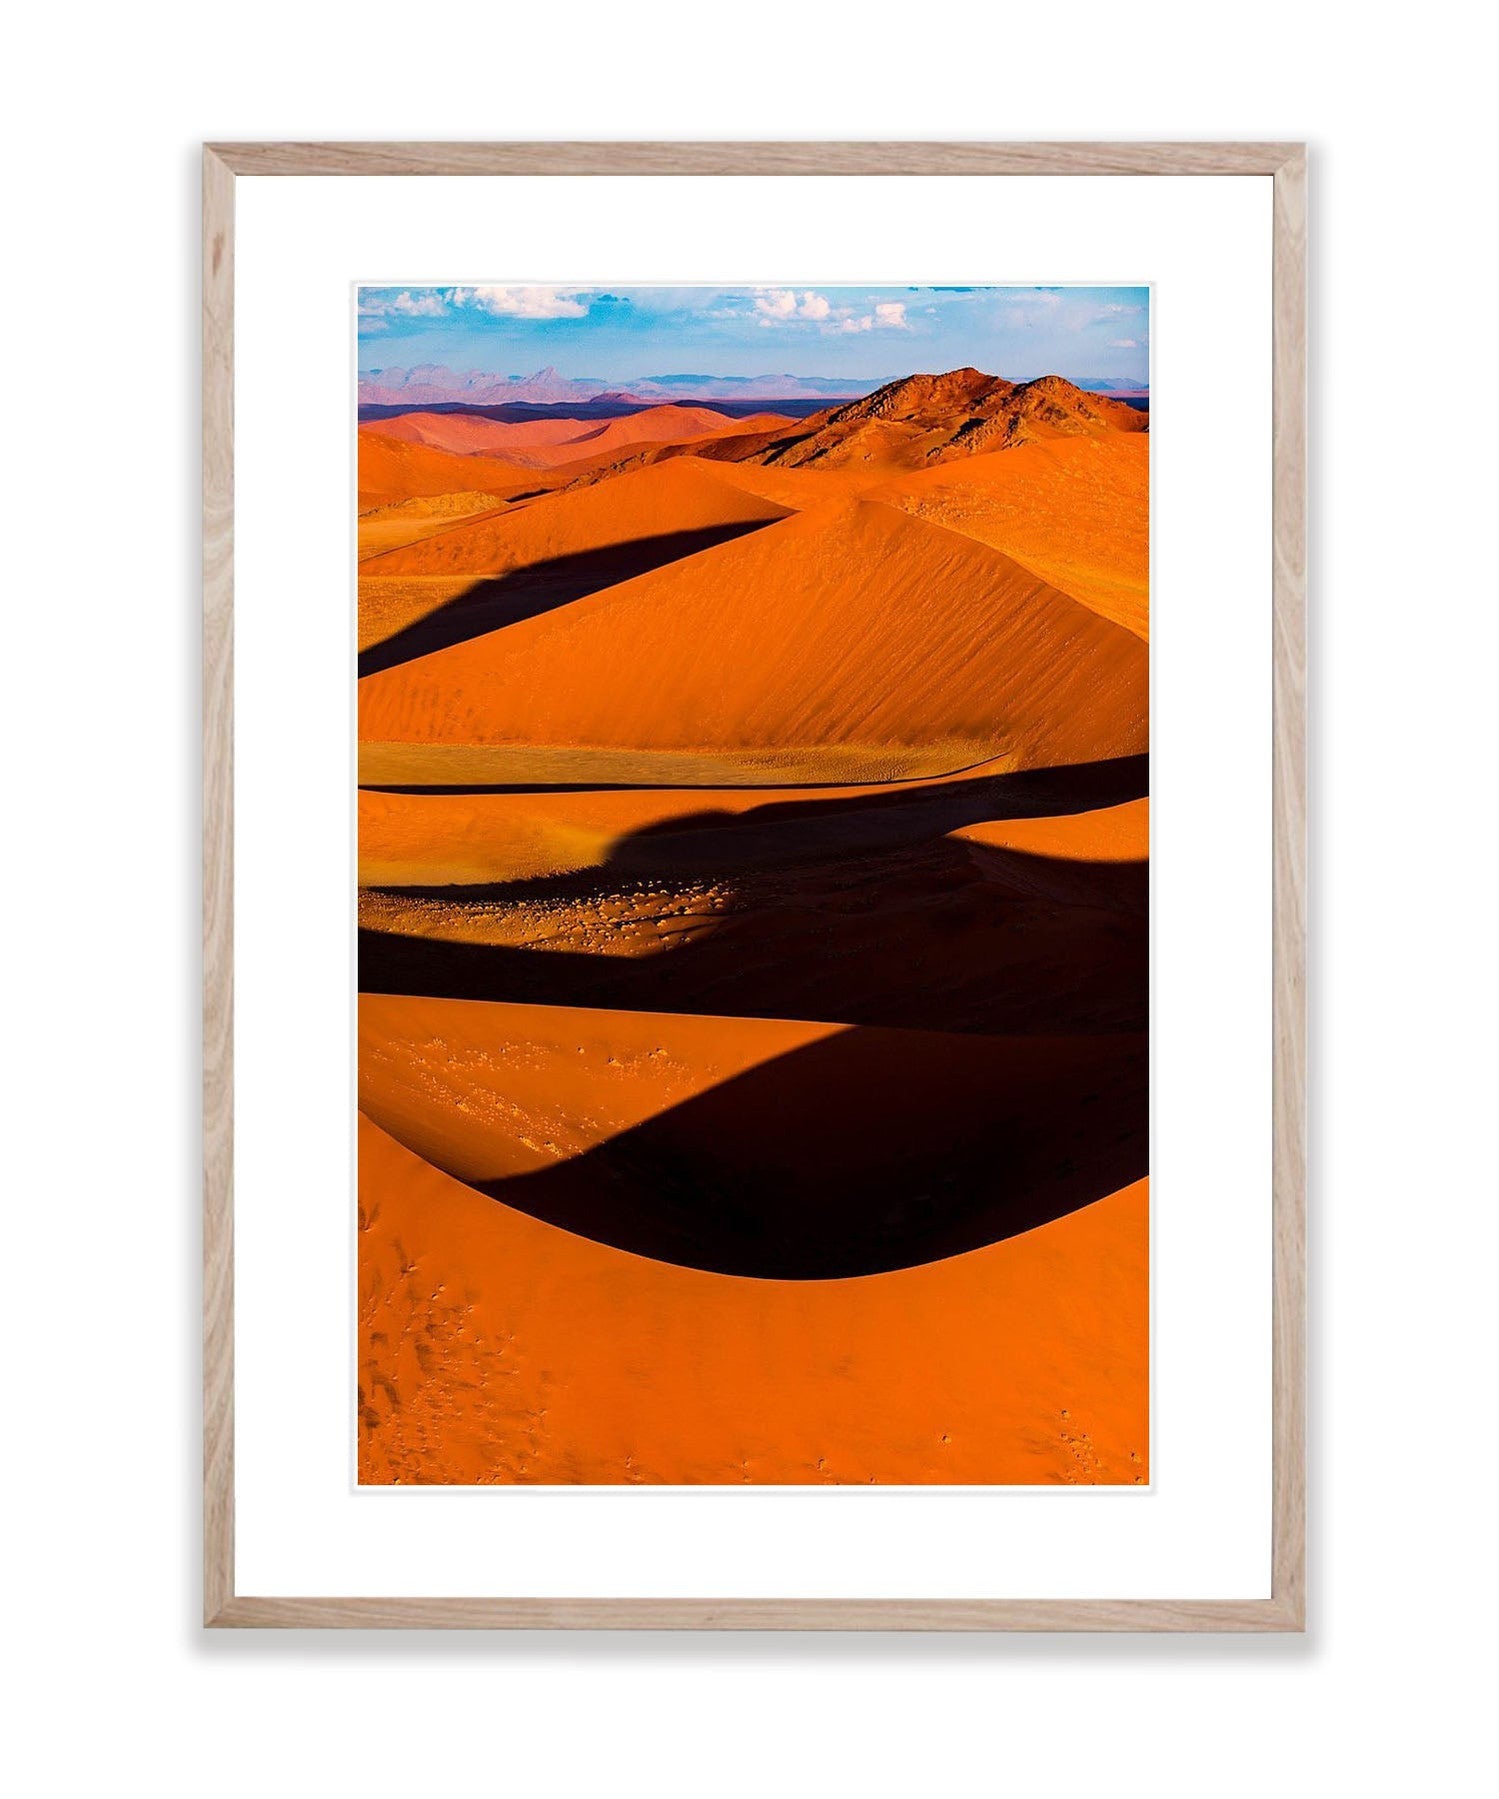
(753, 916)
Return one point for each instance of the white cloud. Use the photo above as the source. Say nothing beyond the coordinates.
(775, 304)
(403, 305)
(521, 302)
(1124, 343)
(888, 315)
(780, 305)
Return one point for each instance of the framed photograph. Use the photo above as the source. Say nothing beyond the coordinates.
(754, 889)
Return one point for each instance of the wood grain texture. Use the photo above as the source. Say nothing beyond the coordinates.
(754, 159)
(1288, 1316)
(218, 886)
(1110, 1615)
(1285, 1610)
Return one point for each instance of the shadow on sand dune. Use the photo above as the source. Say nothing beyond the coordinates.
(861, 1153)
(527, 592)
(1018, 1091)
(854, 911)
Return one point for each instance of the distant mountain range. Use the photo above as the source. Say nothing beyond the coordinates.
(432, 384)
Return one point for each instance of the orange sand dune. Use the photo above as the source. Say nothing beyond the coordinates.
(493, 1090)
(676, 497)
(793, 1151)
(1075, 511)
(1112, 834)
(622, 458)
(409, 521)
(413, 839)
(844, 625)
(953, 907)
(551, 442)
(662, 424)
(797, 489)
(390, 469)
(475, 577)
(467, 435)
(496, 1348)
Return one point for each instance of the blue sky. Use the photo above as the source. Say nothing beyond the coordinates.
(872, 333)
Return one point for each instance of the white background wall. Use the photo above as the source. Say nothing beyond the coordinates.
(106, 106)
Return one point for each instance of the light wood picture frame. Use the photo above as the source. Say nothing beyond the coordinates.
(1285, 1609)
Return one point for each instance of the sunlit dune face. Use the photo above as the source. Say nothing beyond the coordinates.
(498, 1349)
(1075, 511)
(831, 624)
(754, 937)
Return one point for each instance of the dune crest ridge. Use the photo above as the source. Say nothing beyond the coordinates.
(852, 624)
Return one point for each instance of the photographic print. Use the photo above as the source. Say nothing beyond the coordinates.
(753, 910)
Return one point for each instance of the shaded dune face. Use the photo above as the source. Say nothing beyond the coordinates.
(885, 909)
(845, 626)
(416, 839)
(854, 1153)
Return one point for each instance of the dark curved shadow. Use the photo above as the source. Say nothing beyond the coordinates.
(525, 593)
(716, 840)
(861, 1153)
(950, 944)
(856, 911)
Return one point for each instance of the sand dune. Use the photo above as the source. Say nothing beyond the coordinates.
(472, 578)
(911, 910)
(663, 424)
(391, 469)
(496, 1348)
(547, 443)
(780, 1151)
(1111, 834)
(409, 521)
(1074, 511)
(464, 434)
(663, 501)
(797, 489)
(486, 1091)
(588, 468)
(843, 626)
(435, 840)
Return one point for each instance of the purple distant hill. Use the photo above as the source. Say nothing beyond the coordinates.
(431, 384)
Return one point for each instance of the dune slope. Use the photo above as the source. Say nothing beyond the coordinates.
(391, 469)
(475, 577)
(821, 1155)
(1075, 511)
(497, 1349)
(842, 626)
